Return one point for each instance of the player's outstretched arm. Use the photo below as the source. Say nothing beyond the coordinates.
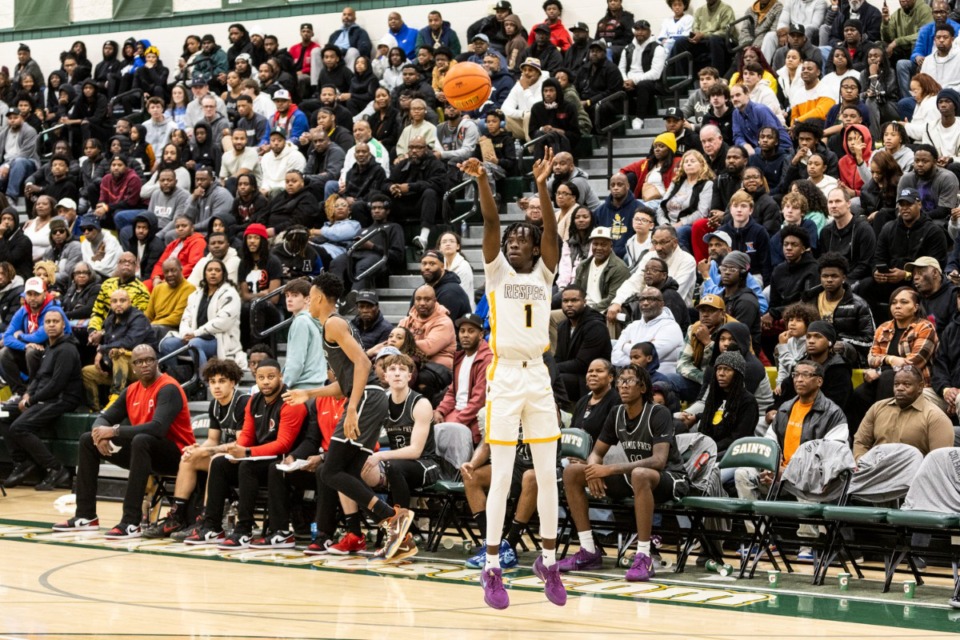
(549, 247)
(488, 208)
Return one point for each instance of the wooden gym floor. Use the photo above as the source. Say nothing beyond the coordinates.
(80, 586)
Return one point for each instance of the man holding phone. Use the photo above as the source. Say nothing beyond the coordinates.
(902, 241)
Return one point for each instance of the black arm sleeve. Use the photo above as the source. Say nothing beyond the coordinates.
(115, 413)
(169, 404)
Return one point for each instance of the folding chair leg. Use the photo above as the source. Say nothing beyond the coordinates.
(914, 569)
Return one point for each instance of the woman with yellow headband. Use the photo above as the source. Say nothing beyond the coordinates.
(151, 78)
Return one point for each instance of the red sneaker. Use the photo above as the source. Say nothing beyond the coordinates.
(350, 543)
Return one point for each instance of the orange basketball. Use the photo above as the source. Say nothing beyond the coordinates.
(466, 86)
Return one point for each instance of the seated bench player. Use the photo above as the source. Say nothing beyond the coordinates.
(271, 428)
(653, 473)
(226, 412)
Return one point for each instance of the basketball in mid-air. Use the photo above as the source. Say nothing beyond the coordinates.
(466, 86)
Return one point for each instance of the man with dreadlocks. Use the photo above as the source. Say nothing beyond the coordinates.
(519, 273)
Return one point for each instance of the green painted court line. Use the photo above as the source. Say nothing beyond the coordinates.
(722, 596)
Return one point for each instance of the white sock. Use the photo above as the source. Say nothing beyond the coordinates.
(424, 235)
(586, 541)
(643, 547)
(549, 557)
(493, 561)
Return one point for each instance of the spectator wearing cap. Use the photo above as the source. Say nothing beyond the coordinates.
(697, 351)
(575, 58)
(445, 283)
(282, 158)
(64, 251)
(25, 336)
(480, 47)
(641, 66)
(557, 35)
(525, 93)
(686, 140)
(211, 63)
(603, 274)
(799, 37)
(911, 235)
(288, 117)
(549, 57)
(597, 82)
(200, 87)
(707, 41)
(741, 302)
(939, 295)
(615, 28)
(438, 33)
(18, 154)
(467, 394)
(260, 273)
(67, 209)
(300, 52)
(372, 327)
(582, 337)
(820, 344)
(836, 19)
(848, 313)
(493, 26)
(100, 250)
(719, 244)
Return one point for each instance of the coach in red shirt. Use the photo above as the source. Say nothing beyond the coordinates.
(156, 427)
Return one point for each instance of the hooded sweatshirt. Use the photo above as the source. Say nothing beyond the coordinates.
(148, 252)
(663, 331)
(30, 324)
(275, 166)
(853, 175)
(17, 249)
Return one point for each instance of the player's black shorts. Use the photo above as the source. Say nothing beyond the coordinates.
(672, 486)
(370, 416)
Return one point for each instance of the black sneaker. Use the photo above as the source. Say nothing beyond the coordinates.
(276, 540)
(204, 536)
(186, 532)
(238, 539)
(166, 526)
(56, 478)
(20, 473)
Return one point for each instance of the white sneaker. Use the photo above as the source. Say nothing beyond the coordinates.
(805, 554)
(637, 123)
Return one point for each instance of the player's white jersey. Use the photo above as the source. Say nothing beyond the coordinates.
(519, 309)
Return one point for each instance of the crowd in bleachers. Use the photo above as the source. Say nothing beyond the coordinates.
(798, 211)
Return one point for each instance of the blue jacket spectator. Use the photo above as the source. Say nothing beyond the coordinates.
(619, 219)
(712, 285)
(26, 326)
(750, 119)
(405, 36)
(502, 84)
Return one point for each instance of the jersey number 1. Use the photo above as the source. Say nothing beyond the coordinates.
(528, 311)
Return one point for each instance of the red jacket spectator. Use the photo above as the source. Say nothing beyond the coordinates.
(849, 171)
(478, 390)
(121, 192)
(191, 250)
(559, 36)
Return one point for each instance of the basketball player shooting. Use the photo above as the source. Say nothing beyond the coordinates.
(519, 272)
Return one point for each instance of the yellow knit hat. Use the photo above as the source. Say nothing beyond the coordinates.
(668, 140)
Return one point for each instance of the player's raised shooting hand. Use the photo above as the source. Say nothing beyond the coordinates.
(472, 167)
(543, 167)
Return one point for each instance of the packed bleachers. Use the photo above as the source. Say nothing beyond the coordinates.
(757, 212)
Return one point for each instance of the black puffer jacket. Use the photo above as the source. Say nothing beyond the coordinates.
(852, 319)
(946, 364)
(898, 244)
(285, 210)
